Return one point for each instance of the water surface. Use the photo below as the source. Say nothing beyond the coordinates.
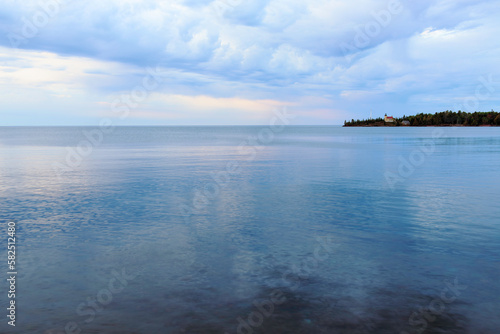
(355, 229)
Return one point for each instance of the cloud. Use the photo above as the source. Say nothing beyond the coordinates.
(168, 108)
(352, 54)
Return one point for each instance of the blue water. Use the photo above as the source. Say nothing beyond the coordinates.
(325, 229)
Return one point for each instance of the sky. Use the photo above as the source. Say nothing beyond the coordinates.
(237, 62)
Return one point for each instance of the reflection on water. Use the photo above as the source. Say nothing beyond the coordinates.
(395, 250)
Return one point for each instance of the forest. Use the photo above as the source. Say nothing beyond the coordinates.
(445, 118)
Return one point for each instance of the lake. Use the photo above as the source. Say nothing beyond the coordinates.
(253, 229)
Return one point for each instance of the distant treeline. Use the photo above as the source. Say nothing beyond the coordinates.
(445, 118)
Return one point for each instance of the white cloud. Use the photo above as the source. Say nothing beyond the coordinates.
(259, 50)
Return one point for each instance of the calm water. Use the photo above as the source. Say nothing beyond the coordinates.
(307, 230)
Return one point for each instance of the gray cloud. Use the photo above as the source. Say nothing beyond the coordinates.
(314, 48)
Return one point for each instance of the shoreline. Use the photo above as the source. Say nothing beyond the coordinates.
(421, 126)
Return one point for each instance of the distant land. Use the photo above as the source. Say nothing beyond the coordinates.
(445, 118)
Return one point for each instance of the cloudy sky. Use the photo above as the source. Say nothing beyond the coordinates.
(75, 62)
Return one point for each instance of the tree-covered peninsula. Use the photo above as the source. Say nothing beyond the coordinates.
(445, 118)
